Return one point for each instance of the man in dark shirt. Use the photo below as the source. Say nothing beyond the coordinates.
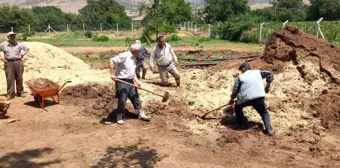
(141, 61)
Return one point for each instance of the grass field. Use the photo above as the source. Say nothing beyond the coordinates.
(77, 39)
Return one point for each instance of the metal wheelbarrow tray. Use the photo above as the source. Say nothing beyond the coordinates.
(42, 88)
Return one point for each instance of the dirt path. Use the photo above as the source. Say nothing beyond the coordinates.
(177, 49)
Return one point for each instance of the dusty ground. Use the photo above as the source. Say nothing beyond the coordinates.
(80, 132)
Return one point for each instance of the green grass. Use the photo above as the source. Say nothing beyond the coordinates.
(77, 39)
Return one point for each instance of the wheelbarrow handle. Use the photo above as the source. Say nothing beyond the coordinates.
(64, 85)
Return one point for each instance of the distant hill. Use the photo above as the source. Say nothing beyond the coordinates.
(74, 5)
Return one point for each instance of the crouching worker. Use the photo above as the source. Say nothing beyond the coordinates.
(123, 67)
(250, 91)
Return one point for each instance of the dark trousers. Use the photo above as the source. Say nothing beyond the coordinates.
(14, 71)
(259, 105)
(126, 91)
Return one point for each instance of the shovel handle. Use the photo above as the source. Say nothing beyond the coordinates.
(139, 88)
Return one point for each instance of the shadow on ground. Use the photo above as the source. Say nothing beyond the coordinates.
(112, 117)
(22, 159)
(129, 156)
(37, 105)
(230, 122)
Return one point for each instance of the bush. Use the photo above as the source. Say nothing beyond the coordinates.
(102, 38)
(25, 35)
(203, 39)
(88, 34)
(249, 37)
(167, 29)
(173, 37)
(234, 28)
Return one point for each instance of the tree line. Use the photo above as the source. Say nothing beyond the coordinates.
(96, 12)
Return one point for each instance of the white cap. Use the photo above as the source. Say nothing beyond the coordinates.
(11, 33)
(138, 41)
(135, 47)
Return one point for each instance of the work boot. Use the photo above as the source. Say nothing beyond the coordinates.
(9, 97)
(120, 120)
(142, 116)
(270, 133)
(178, 82)
(21, 95)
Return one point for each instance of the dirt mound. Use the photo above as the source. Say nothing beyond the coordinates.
(46, 60)
(314, 57)
(96, 99)
(42, 83)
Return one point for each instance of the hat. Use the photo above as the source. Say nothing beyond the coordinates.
(138, 41)
(245, 65)
(11, 33)
(135, 47)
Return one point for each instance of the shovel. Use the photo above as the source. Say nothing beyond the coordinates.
(204, 116)
(165, 97)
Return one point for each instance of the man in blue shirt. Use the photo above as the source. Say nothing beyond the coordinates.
(250, 91)
(141, 61)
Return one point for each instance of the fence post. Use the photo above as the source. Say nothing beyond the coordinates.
(117, 27)
(83, 27)
(132, 26)
(285, 24)
(101, 27)
(261, 27)
(319, 29)
(196, 28)
(209, 30)
(29, 28)
(67, 28)
(11, 29)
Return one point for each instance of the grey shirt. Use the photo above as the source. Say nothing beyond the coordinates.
(12, 51)
(249, 85)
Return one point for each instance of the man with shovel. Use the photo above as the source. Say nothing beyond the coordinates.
(122, 69)
(250, 91)
(165, 58)
(14, 67)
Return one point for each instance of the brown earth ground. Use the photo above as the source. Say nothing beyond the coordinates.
(80, 132)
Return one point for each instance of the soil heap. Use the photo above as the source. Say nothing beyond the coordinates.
(51, 62)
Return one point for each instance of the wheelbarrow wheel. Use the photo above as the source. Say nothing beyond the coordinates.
(37, 99)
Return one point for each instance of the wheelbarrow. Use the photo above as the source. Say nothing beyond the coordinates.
(42, 88)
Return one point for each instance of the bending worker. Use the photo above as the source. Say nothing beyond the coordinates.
(123, 67)
(14, 67)
(141, 61)
(250, 91)
(165, 58)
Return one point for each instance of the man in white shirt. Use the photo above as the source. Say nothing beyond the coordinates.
(165, 59)
(123, 67)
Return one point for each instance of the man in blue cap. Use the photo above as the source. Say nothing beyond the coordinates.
(250, 91)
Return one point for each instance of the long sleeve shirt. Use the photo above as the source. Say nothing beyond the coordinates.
(162, 56)
(249, 85)
(12, 50)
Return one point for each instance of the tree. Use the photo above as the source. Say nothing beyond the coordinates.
(107, 12)
(282, 10)
(162, 14)
(296, 4)
(328, 9)
(222, 10)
